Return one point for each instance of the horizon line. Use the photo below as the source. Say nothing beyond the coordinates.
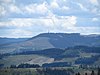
(48, 33)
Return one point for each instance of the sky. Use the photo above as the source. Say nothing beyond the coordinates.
(27, 18)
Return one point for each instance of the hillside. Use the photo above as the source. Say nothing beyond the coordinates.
(76, 55)
(51, 40)
(31, 59)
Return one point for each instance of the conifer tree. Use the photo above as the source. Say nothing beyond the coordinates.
(98, 71)
(92, 73)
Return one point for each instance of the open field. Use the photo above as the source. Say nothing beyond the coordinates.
(18, 71)
(31, 59)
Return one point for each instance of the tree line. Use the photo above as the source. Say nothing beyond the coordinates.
(92, 73)
(25, 66)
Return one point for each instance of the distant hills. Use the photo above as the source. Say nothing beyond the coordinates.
(55, 57)
(51, 49)
(64, 40)
(49, 40)
(57, 53)
(4, 41)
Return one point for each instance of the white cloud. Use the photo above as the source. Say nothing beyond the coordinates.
(54, 4)
(84, 30)
(30, 9)
(4, 4)
(53, 23)
(89, 30)
(82, 7)
(47, 16)
(94, 2)
(20, 33)
(6, 1)
(30, 27)
(16, 23)
(94, 10)
(36, 9)
(65, 8)
(14, 9)
(64, 0)
(17, 33)
(2, 11)
(95, 19)
(69, 22)
(42, 8)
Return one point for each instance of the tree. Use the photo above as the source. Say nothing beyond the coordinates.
(92, 73)
(13, 66)
(78, 73)
(98, 71)
(85, 73)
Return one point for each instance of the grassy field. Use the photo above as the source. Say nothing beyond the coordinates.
(24, 71)
(31, 59)
(37, 59)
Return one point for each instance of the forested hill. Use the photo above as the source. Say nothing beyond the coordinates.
(51, 40)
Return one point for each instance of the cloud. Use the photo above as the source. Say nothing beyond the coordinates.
(89, 30)
(65, 8)
(82, 7)
(36, 9)
(95, 19)
(37, 25)
(94, 2)
(16, 23)
(4, 4)
(44, 8)
(14, 9)
(31, 27)
(16, 33)
(35, 16)
(6, 1)
(54, 4)
(49, 22)
(32, 10)
(69, 22)
(2, 11)
(84, 30)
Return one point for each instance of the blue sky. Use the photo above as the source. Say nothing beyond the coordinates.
(27, 18)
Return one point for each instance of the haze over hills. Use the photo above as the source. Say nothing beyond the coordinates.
(51, 40)
(4, 40)
(52, 48)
